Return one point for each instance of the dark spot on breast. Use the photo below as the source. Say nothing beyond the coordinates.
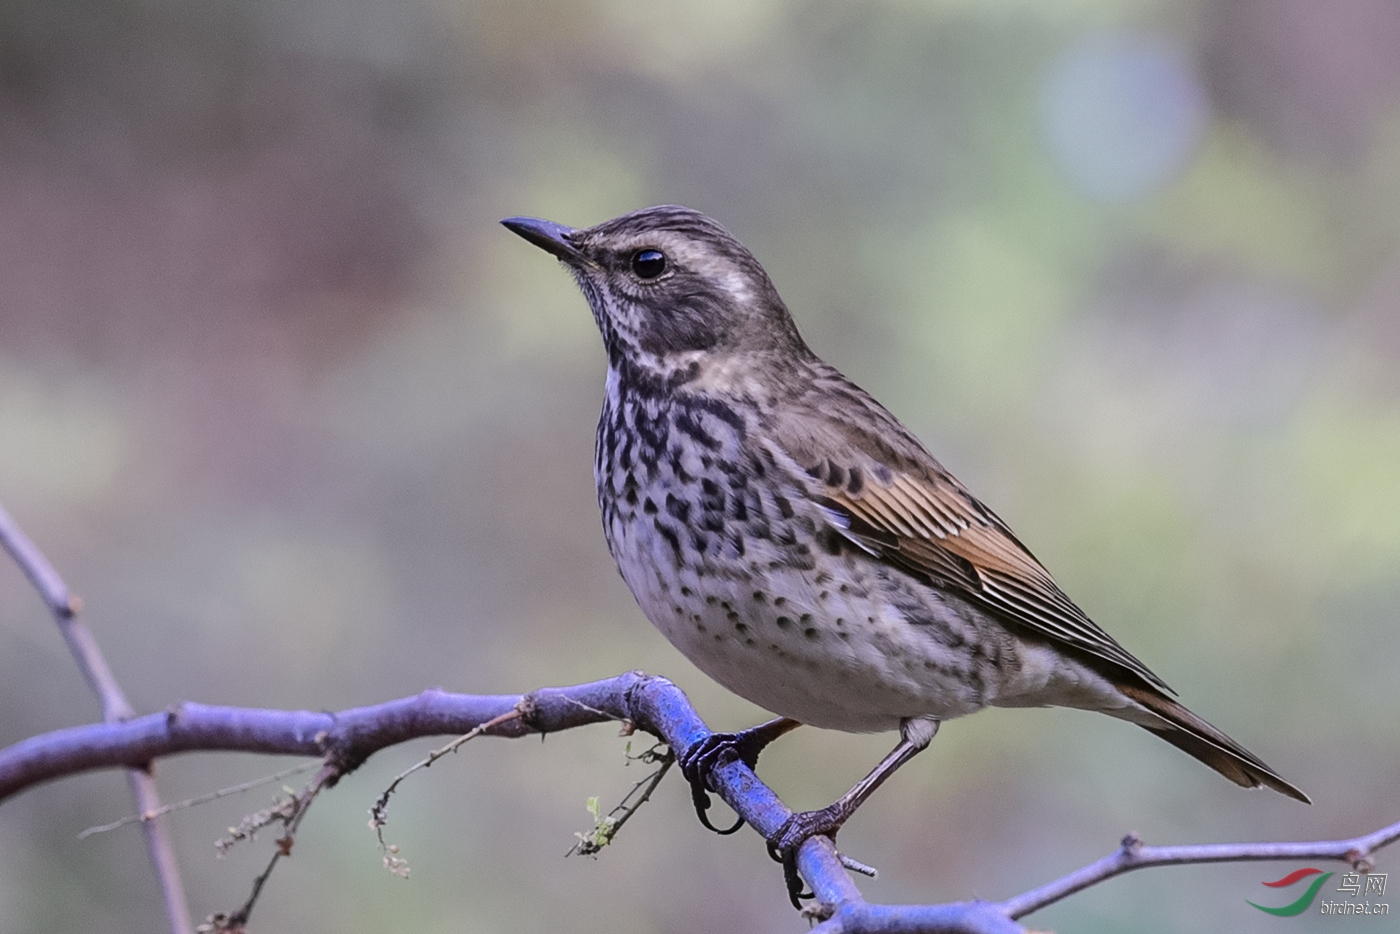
(741, 628)
(805, 618)
(687, 423)
(755, 504)
(671, 538)
(784, 622)
(648, 506)
(700, 540)
(678, 508)
(759, 596)
(855, 483)
(780, 601)
(686, 591)
(811, 634)
(678, 467)
(784, 507)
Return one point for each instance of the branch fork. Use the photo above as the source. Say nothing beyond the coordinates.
(344, 740)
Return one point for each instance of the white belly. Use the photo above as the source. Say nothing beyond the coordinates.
(797, 644)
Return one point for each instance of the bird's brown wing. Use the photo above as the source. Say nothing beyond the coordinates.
(888, 495)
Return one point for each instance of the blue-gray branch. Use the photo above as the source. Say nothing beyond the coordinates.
(652, 704)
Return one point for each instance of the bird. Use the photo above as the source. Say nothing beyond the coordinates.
(802, 547)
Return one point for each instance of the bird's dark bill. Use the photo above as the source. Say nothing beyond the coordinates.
(547, 235)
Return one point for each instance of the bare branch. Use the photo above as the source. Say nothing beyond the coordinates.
(36, 567)
(1133, 855)
(65, 606)
(350, 736)
(651, 704)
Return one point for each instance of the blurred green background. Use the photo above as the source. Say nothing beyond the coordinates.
(306, 428)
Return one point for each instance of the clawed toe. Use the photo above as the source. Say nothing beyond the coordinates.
(784, 844)
(717, 749)
(696, 764)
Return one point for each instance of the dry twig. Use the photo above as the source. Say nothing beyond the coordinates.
(65, 606)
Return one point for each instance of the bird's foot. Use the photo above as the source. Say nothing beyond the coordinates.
(716, 750)
(796, 830)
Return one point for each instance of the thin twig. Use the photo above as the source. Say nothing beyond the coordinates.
(1133, 855)
(38, 568)
(65, 606)
(378, 815)
(607, 826)
(195, 802)
(291, 814)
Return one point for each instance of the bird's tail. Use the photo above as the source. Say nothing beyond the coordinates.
(1194, 736)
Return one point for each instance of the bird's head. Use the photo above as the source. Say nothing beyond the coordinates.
(674, 294)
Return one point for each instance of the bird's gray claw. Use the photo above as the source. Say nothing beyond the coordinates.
(696, 763)
(796, 830)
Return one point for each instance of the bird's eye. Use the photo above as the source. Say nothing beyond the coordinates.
(648, 264)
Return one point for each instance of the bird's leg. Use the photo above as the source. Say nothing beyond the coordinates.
(718, 748)
(914, 735)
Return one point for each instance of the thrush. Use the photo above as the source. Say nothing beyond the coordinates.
(799, 544)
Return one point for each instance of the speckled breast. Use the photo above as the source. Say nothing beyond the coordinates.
(730, 560)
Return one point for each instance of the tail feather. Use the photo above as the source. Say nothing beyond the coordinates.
(1194, 736)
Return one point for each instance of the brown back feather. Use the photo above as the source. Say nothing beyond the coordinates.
(898, 502)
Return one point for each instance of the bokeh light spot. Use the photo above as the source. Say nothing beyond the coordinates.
(1122, 114)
